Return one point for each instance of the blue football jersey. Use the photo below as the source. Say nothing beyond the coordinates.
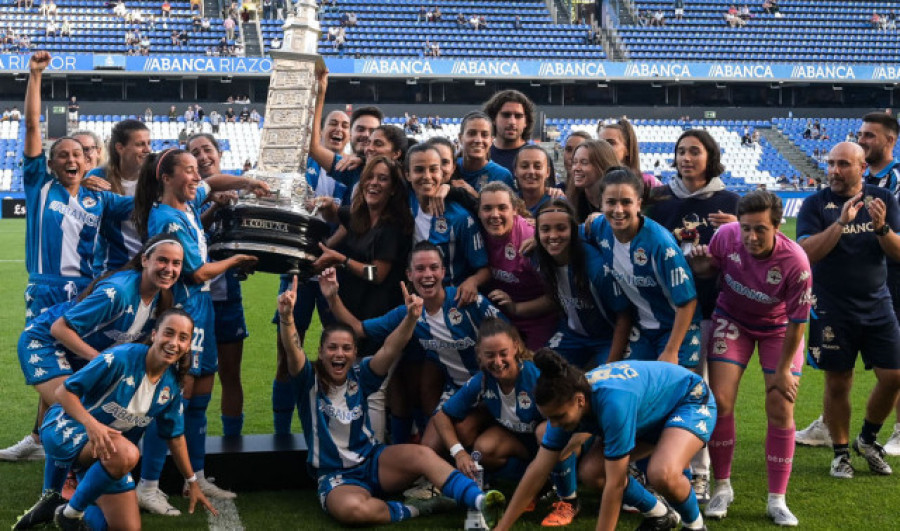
(448, 336)
(458, 237)
(515, 411)
(651, 270)
(336, 421)
(117, 241)
(489, 173)
(115, 390)
(61, 229)
(348, 178)
(631, 400)
(187, 227)
(325, 185)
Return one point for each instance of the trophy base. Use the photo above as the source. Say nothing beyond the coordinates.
(272, 258)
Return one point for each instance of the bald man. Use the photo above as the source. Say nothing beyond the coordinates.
(847, 230)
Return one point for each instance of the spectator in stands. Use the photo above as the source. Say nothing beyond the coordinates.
(745, 13)
(659, 18)
(228, 25)
(746, 140)
(279, 9)
(119, 9)
(435, 49)
(229, 115)
(52, 29)
(679, 9)
(52, 10)
(876, 20)
(770, 7)
(891, 20)
(145, 45)
(195, 22)
(173, 37)
(268, 9)
(199, 113)
(422, 15)
(807, 131)
(245, 115)
(512, 116)
(475, 22)
(345, 18)
(5, 116)
(254, 116)
(436, 15)
(66, 29)
(340, 38)
(214, 120)
(461, 20)
(148, 115)
(351, 20)
(197, 5)
(184, 37)
(644, 18)
(73, 110)
(15, 115)
(733, 19)
(165, 10)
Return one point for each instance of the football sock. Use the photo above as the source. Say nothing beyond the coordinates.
(869, 431)
(283, 401)
(153, 455)
(564, 476)
(195, 429)
(93, 485)
(232, 426)
(721, 447)
(462, 489)
(779, 457)
(638, 497)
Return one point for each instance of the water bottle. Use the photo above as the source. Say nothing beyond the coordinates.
(474, 519)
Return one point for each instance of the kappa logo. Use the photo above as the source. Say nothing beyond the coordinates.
(640, 256)
(703, 410)
(89, 202)
(697, 391)
(76, 440)
(34, 359)
(173, 227)
(111, 293)
(129, 310)
(808, 297)
(489, 394)
(701, 426)
(677, 418)
(67, 433)
(454, 316)
(63, 364)
(509, 252)
(39, 372)
(129, 381)
(164, 396)
(29, 314)
(524, 400)
(774, 276)
(735, 257)
(803, 276)
(670, 253)
(831, 206)
(440, 225)
(604, 244)
(35, 344)
(108, 358)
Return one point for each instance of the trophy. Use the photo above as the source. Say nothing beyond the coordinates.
(282, 229)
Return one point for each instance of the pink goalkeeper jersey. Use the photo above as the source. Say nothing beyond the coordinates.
(764, 293)
(514, 274)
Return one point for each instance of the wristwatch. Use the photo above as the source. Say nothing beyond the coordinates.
(883, 230)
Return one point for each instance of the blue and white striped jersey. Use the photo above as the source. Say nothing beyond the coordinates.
(456, 234)
(117, 241)
(186, 226)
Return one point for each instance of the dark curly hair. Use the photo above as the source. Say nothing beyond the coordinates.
(559, 381)
(492, 109)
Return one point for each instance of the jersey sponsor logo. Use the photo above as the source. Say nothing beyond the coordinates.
(504, 276)
(640, 281)
(735, 257)
(125, 417)
(518, 427)
(164, 395)
(509, 252)
(828, 334)
(678, 276)
(640, 256)
(118, 337)
(750, 293)
(615, 372)
(437, 344)
(858, 228)
(454, 316)
(774, 276)
(440, 224)
(91, 220)
(89, 202)
(524, 400)
(344, 416)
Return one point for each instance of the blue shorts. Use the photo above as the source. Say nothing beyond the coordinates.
(64, 439)
(309, 296)
(44, 291)
(834, 344)
(364, 475)
(204, 355)
(584, 352)
(231, 326)
(696, 413)
(41, 362)
(647, 345)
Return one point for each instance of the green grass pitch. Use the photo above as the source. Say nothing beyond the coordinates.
(820, 502)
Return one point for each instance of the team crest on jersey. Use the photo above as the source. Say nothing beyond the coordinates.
(828, 334)
(509, 252)
(524, 400)
(352, 387)
(640, 256)
(774, 276)
(454, 316)
(440, 225)
(89, 202)
(720, 347)
(634, 335)
(830, 206)
(164, 396)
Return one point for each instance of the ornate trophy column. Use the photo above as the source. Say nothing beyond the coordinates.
(279, 229)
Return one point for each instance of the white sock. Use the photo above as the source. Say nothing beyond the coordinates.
(69, 512)
(479, 502)
(696, 524)
(777, 500)
(658, 510)
(148, 484)
(413, 511)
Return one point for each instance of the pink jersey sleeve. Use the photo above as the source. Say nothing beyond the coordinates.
(719, 244)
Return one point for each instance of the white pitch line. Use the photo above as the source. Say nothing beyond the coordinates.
(228, 519)
(11, 261)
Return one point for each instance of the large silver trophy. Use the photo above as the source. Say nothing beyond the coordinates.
(282, 230)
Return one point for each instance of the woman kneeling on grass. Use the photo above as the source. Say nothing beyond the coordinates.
(352, 468)
(640, 409)
(103, 411)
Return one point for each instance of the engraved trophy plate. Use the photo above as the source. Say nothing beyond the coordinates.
(281, 230)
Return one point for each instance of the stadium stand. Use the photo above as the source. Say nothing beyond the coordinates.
(837, 129)
(12, 138)
(807, 30)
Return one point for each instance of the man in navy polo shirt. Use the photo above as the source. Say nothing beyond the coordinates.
(847, 230)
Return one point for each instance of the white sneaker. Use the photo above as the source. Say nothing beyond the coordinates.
(25, 450)
(717, 508)
(892, 446)
(209, 489)
(155, 501)
(816, 434)
(781, 515)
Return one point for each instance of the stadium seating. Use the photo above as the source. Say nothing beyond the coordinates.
(808, 30)
(12, 140)
(837, 129)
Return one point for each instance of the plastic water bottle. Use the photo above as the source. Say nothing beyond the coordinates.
(474, 519)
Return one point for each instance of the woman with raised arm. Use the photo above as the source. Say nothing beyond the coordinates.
(351, 467)
(638, 409)
(168, 199)
(102, 412)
